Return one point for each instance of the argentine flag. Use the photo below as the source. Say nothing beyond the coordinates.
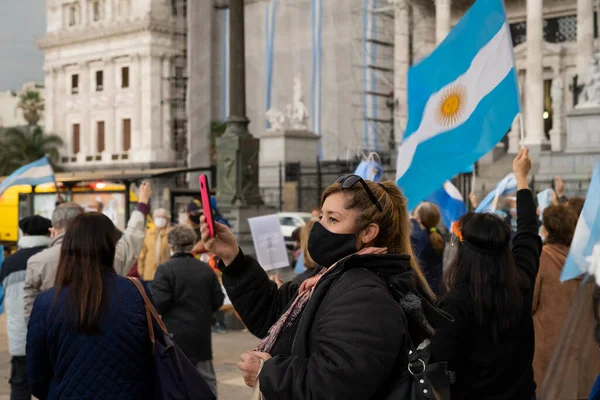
(587, 233)
(33, 174)
(508, 185)
(462, 100)
(450, 201)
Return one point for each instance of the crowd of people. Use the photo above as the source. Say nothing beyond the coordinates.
(77, 327)
(372, 282)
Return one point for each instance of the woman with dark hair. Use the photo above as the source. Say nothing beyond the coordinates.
(552, 299)
(429, 243)
(88, 336)
(489, 346)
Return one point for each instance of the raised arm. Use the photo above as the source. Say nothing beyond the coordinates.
(129, 246)
(256, 298)
(527, 244)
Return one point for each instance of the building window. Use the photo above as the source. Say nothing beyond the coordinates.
(99, 81)
(556, 30)
(74, 83)
(72, 15)
(96, 11)
(561, 29)
(125, 77)
(518, 32)
(126, 134)
(100, 136)
(76, 138)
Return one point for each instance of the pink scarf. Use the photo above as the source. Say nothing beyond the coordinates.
(304, 294)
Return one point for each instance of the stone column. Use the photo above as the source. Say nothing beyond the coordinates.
(87, 137)
(534, 81)
(401, 65)
(514, 136)
(168, 92)
(110, 130)
(557, 133)
(585, 37)
(442, 19)
(49, 90)
(136, 122)
(424, 30)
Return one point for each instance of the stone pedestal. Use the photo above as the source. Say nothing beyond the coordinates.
(238, 218)
(280, 147)
(582, 126)
(237, 174)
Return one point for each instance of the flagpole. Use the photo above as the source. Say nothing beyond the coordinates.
(522, 143)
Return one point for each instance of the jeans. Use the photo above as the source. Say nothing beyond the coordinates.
(19, 387)
(207, 371)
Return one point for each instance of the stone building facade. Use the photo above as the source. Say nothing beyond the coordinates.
(115, 79)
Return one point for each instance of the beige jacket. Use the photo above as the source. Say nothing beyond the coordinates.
(149, 259)
(41, 268)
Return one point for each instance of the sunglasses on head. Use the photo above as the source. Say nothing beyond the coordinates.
(347, 181)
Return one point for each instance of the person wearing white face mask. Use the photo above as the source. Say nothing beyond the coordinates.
(155, 250)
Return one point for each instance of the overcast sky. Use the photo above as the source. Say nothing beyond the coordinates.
(21, 23)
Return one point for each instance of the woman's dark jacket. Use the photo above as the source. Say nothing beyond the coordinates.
(347, 340)
(486, 369)
(63, 363)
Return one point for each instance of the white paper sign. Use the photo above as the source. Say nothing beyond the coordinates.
(227, 301)
(269, 242)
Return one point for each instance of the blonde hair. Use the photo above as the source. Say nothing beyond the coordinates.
(304, 234)
(393, 220)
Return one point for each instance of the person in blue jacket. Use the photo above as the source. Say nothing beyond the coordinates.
(88, 336)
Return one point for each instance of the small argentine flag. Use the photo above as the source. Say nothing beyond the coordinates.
(33, 174)
(587, 233)
(462, 100)
(450, 201)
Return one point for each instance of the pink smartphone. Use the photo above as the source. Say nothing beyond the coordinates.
(205, 197)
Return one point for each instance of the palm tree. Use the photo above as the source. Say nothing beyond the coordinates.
(22, 146)
(32, 104)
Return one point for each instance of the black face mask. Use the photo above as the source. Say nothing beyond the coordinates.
(195, 218)
(326, 248)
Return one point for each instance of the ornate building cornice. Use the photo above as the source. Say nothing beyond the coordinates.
(120, 28)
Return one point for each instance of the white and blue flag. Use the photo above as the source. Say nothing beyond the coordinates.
(370, 169)
(33, 174)
(462, 100)
(587, 233)
(450, 201)
(508, 185)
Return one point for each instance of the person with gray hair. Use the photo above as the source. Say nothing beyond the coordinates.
(186, 293)
(41, 268)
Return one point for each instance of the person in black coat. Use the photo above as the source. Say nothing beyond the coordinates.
(490, 345)
(186, 293)
(340, 334)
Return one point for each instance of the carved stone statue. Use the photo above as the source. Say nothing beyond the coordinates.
(297, 113)
(590, 95)
(276, 119)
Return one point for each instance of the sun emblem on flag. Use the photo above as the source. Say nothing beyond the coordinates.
(452, 105)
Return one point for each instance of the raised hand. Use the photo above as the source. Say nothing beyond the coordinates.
(224, 244)
(145, 193)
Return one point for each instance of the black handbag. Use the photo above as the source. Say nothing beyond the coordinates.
(175, 377)
(418, 379)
